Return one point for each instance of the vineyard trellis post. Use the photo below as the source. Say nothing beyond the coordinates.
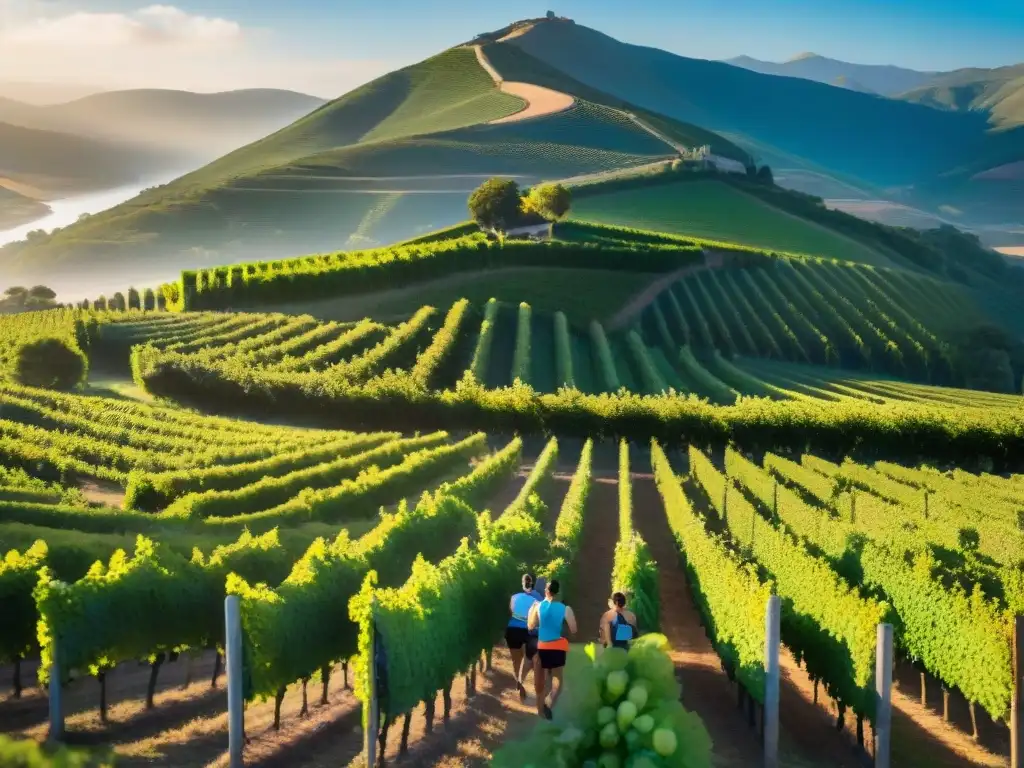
(883, 691)
(372, 704)
(772, 619)
(1017, 702)
(56, 704)
(233, 663)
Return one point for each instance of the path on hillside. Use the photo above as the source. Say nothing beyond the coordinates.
(680, 148)
(540, 101)
(636, 305)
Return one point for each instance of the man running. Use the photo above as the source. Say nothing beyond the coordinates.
(518, 636)
(618, 626)
(552, 647)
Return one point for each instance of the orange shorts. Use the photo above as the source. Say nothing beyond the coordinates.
(561, 644)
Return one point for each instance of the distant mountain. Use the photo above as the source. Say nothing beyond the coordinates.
(201, 125)
(870, 78)
(16, 209)
(884, 142)
(41, 94)
(849, 83)
(998, 93)
(57, 163)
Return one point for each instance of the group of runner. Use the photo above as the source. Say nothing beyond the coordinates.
(536, 641)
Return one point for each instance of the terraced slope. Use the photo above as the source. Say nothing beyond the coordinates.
(716, 211)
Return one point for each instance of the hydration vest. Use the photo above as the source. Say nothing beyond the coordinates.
(622, 631)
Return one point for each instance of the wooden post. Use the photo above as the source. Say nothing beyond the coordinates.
(233, 659)
(770, 717)
(56, 705)
(373, 716)
(1017, 700)
(883, 696)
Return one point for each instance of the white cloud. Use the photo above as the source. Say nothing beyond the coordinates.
(161, 46)
(152, 25)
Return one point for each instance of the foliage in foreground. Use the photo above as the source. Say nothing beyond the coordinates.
(29, 754)
(619, 708)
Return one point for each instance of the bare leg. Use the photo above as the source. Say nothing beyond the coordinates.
(556, 685)
(538, 684)
(517, 663)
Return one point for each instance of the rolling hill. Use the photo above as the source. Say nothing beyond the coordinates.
(836, 128)
(55, 163)
(999, 93)
(202, 125)
(16, 209)
(397, 157)
(390, 160)
(883, 79)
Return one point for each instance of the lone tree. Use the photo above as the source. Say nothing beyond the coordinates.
(764, 175)
(495, 204)
(48, 364)
(552, 201)
(16, 295)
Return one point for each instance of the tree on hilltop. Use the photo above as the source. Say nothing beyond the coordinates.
(495, 204)
(552, 201)
(764, 175)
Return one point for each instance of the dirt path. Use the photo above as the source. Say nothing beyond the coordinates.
(539, 101)
(636, 305)
(706, 689)
(593, 577)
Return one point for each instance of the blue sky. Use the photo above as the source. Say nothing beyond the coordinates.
(329, 46)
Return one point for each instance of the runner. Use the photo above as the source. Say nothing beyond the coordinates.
(618, 626)
(518, 636)
(547, 617)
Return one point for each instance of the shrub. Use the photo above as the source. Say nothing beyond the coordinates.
(48, 363)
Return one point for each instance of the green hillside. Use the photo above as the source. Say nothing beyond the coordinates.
(391, 160)
(833, 127)
(718, 211)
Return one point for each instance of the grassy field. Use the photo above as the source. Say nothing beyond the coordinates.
(582, 294)
(719, 212)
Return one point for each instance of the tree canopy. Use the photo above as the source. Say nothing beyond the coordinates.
(552, 201)
(495, 204)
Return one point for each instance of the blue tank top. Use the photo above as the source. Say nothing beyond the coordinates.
(522, 602)
(552, 614)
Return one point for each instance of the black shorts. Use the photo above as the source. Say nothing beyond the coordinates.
(516, 637)
(551, 658)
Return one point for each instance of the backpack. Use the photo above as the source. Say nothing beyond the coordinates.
(622, 631)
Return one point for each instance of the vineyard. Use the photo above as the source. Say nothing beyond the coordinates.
(710, 209)
(846, 545)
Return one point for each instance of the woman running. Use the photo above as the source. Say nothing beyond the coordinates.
(552, 647)
(618, 626)
(518, 636)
